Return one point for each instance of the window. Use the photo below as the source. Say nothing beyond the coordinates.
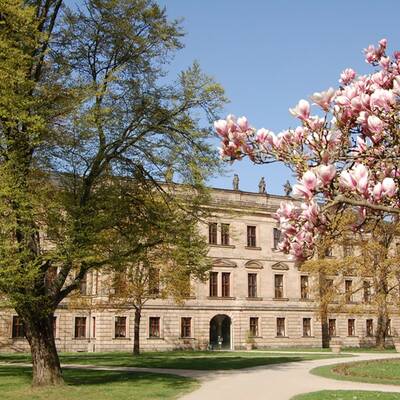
(212, 233)
(18, 329)
(280, 327)
(367, 291)
(304, 290)
(332, 327)
(154, 327)
(328, 284)
(225, 234)
(93, 327)
(307, 327)
(95, 276)
(154, 281)
(253, 326)
(369, 324)
(83, 286)
(120, 327)
(80, 327)
(226, 284)
(389, 328)
(347, 250)
(277, 237)
(278, 286)
(351, 327)
(348, 290)
(328, 252)
(213, 284)
(186, 327)
(120, 283)
(251, 236)
(252, 285)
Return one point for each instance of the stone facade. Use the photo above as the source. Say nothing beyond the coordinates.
(261, 310)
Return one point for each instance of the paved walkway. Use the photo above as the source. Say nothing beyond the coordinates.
(267, 382)
(281, 381)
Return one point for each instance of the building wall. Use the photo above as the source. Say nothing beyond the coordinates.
(239, 210)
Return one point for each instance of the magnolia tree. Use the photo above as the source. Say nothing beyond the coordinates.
(345, 154)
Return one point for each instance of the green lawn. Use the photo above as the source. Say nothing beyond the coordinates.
(368, 350)
(95, 385)
(347, 395)
(378, 371)
(300, 350)
(325, 350)
(199, 360)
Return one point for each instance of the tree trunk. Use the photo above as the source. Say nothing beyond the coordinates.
(325, 330)
(323, 309)
(46, 368)
(381, 329)
(381, 290)
(136, 335)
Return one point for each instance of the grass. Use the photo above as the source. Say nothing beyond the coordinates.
(198, 360)
(368, 350)
(377, 371)
(301, 350)
(347, 395)
(327, 350)
(95, 385)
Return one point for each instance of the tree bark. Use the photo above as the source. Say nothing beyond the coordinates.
(323, 310)
(46, 369)
(136, 335)
(381, 329)
(325, 330)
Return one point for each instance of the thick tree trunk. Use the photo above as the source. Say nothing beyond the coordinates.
(46, 368)
(136, 335)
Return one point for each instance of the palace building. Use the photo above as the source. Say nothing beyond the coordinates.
(255, 295)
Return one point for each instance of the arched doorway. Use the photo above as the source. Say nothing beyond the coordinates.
(220, 327)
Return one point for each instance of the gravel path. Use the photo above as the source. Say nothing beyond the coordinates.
(280, 381)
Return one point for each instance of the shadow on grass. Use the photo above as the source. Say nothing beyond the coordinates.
(175, 360)
(76, 377)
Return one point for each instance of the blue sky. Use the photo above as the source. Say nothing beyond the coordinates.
(270, 54)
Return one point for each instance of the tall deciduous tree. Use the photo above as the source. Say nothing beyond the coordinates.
(172, 251)
(89, 104)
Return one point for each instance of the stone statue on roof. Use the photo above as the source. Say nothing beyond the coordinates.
(235, 182)
(287, 187)
(261, 186)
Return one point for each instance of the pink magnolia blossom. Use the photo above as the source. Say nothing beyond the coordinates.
(326, 173)
(309, 180)
(383, 99)
(323, 99)
(347, 76)
(264, 135)
(375, 124)
(389, 187)
(377, 191)
(302, 110)
(347, 181)
(221, 126)
(301, 191)
(243, 123)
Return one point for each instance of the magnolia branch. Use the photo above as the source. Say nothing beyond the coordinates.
(362, 203)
